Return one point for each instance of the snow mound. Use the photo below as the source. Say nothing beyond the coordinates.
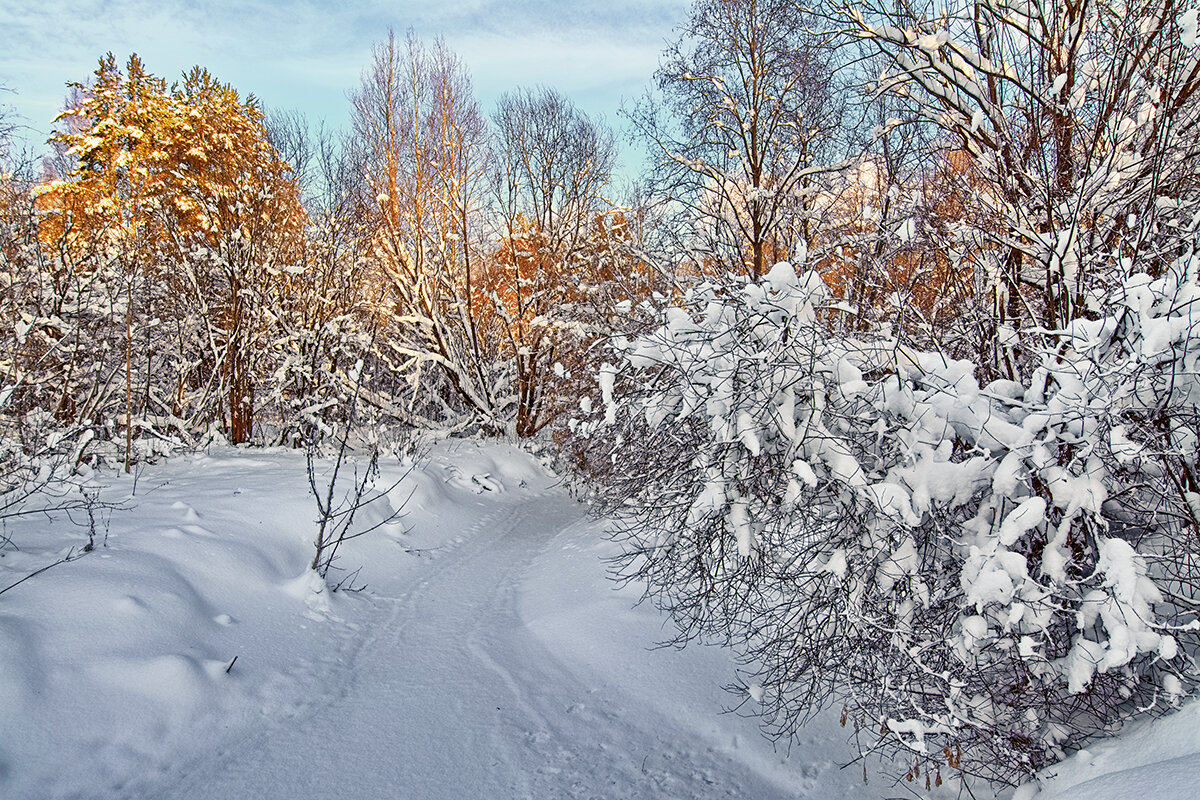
(1160, 756)
(198, 619)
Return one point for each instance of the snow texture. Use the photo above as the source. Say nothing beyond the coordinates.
(487, 656)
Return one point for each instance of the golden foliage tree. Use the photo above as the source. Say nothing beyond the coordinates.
(183, 193)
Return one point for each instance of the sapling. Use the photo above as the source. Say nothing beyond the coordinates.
(350, 484)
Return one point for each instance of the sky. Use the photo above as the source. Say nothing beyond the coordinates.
(306, 54)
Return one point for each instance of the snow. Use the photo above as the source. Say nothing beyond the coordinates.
(1159, 758)
(739, 521)
(1028, 515)
(804, 472)
(195, 655)
(1189, 27)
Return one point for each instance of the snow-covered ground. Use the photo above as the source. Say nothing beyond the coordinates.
(488, 656)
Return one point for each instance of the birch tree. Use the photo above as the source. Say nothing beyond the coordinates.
(422, 138)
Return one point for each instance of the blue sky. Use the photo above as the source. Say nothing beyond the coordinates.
(306, 54)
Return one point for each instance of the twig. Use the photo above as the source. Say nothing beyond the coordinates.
(70, 556)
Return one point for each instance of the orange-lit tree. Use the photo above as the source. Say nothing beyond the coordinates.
(237, 227)
(179, 192)
(552, 264)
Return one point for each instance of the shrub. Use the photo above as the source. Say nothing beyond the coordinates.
(983, 577)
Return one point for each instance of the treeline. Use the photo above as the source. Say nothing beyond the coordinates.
(187, 265)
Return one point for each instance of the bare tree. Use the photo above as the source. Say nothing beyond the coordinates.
(551, 164)
(290, 134)
(422, 140)
(743, 129)
(7, 127)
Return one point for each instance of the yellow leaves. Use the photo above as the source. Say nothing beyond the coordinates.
(49, 189)
(185, 204)
(170, 168)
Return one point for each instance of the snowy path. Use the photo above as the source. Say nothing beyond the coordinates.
(452, 696)
(489, 656)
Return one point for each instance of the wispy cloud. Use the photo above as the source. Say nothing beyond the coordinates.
(308, 53)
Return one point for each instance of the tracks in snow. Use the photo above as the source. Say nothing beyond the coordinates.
(443, 692)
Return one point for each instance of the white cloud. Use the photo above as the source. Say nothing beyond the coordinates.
(308, 53)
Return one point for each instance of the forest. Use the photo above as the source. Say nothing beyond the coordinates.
(882, 365)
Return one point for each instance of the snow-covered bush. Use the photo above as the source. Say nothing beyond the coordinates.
(1075, 129)
(982, 576)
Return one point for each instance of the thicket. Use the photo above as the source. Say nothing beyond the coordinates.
(187, 267)
(937, 467)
